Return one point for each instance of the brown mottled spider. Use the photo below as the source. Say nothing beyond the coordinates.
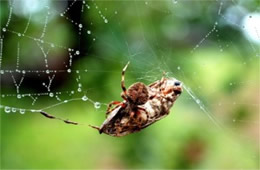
(142, 106)
(134, 96)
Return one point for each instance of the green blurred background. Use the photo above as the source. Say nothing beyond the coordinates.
(213, 47)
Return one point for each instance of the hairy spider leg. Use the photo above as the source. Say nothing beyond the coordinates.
(123, 82)
(53, 117)
(111, 104)
(117, 103)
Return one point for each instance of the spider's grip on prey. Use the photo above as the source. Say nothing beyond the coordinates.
(142, 106)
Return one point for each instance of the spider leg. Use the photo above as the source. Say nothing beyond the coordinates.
(53, 117)
(123, 96)
(153, 84)
(123, 79)
(111, 104)
(117, 105)
(160, 84)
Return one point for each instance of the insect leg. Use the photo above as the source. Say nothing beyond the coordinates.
(95, 127)
(53, 117)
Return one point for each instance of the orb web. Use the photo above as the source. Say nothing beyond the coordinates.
(50, 59)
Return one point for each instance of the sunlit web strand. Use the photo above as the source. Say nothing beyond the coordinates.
(202, 107)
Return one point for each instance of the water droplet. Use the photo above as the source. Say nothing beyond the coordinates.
(7, 109)
(19, 96)
(80, 25)
(97, 105)
(84, 98)
(52, 45)
(61, 15)
(198, 101)
(69, 70)
(13, 109)
(77, 52)
(216, 23)
(47, 71)
(89, 32)
(146, 3)
(51, 94)
(65, 101)
(2, 71)
(4, 29)
(178, 67)
(79, 90)
(106, 21)
(230, 84)
(22, 111)
(80, 85)
(19, 34)
(23, 71)
(115, 12)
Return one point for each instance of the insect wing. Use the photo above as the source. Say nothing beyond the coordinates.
(110, 117)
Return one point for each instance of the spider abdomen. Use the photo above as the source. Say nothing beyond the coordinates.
(138, 93)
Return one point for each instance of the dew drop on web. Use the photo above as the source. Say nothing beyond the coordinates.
(84, 98)
(7, 109)
(13, 110)
(22, 111)
(97, 105)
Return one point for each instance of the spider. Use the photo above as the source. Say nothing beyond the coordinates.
(136, 95)
(142, 106)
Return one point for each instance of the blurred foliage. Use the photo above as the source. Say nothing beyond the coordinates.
(157, 37)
